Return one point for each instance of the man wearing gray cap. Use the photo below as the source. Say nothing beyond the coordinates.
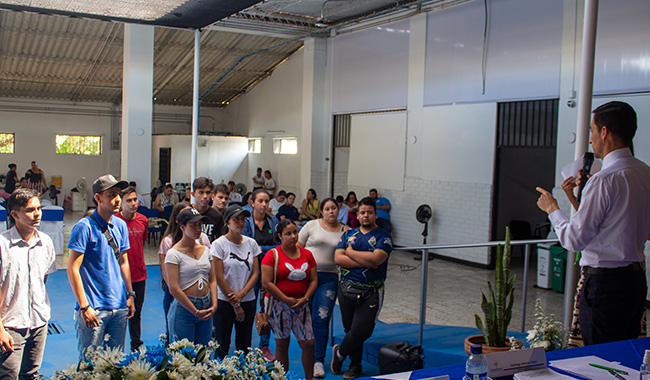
(98, 270)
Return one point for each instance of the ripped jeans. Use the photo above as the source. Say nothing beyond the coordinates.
(321, 306)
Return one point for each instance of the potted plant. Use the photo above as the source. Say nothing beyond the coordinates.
(497, 305)
(547, 332)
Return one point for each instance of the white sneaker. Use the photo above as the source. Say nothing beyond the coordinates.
(319, 370)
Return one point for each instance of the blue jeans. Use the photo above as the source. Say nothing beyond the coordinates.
(321, 306)
(183, 324)
(112, 323)
(265, 340)
(167, 303)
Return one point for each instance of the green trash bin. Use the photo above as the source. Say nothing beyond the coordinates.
(558, 267)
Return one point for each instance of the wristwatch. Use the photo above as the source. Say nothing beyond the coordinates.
(130, 294)
(82, 309)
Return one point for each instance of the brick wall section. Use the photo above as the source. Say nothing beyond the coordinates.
(319, 182)
(461, 214)
(340, 184)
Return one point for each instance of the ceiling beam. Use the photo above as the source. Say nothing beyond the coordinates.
(48, 81)
(81, 88)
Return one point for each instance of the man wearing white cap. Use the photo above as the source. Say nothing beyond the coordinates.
(99, 272)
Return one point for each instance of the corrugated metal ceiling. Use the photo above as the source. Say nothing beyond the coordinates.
(77, 59)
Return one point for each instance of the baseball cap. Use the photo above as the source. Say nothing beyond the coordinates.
(234, 211)
(190, 215)
(107, 181)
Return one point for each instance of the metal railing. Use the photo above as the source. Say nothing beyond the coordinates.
(530, 244)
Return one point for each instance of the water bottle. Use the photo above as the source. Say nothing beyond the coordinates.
(644, 372)
(476, 365)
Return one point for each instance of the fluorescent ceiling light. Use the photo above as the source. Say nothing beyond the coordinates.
(147, 10)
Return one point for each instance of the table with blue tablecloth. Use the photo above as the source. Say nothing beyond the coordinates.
(3, 219)
(629, 353)
(52, 225)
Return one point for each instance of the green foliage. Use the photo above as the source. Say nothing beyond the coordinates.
(7, 142)
(84, 145)
(497, 306)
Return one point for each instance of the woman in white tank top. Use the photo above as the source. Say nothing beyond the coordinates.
(166, 244)
(191, 281)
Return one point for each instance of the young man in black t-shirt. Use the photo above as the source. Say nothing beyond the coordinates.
(202, 192)
(288, 210)
(12, 179)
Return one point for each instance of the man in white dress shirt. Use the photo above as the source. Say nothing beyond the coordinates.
(610, 229)
(26, 258)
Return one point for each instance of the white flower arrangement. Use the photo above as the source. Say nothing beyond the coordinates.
(547, 332)
(180, 360)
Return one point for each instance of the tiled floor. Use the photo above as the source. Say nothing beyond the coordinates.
(453, 291)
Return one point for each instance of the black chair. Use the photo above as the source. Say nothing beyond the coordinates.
(520, 230)
(167, 213)
(53, 192)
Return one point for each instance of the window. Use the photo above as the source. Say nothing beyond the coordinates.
(7, 143)
(285, 146)
(85, 145)
(254, 145)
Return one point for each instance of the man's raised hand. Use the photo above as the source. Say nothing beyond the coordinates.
(546, 202)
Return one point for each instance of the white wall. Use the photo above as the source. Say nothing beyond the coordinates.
(450, 149)
(274, 105)
(35, 128)
(219, 157)
(36, 122)
(178, 120)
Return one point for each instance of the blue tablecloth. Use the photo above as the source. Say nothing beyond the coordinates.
(3, 219)
(52, 213)
(629, 353)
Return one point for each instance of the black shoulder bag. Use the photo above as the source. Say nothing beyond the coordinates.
(109, 237)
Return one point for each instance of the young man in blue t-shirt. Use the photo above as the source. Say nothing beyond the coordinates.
(362, 254)
(99, 271)
(382, 206)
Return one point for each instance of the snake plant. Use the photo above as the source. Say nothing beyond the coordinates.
(497, 306)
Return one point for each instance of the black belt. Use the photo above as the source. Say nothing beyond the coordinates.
(634, 267)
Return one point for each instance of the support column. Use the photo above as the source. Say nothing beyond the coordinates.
(585, 95)
(137, 106)
(315, 145)
(195, 104)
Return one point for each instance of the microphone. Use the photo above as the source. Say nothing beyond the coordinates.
(587, 163)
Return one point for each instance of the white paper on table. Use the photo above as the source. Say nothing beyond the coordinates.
(406, 376)
(541, 374)
(580, 367)
(395, 376)
(571, 170)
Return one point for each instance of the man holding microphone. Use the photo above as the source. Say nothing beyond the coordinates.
(610, 229)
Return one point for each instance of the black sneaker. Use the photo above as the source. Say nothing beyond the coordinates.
(353, 372)
(336, 362)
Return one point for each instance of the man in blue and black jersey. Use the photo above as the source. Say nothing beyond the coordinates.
(362, 255)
